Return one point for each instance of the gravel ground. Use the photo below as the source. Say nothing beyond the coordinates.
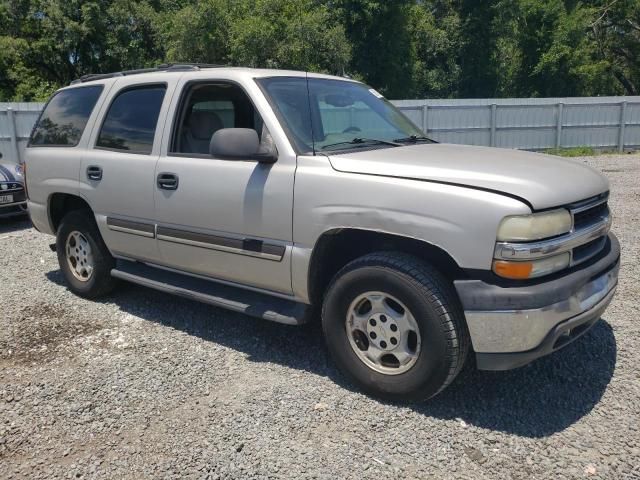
(144, 385)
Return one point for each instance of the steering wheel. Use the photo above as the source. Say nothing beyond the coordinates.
(351, 130)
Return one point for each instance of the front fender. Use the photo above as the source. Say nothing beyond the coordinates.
(459, 220)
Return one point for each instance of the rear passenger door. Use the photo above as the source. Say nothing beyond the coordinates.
(117, 172)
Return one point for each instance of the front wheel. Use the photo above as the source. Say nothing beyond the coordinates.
(84, 259)
(394, 326)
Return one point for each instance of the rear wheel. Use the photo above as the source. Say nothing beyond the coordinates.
(84, 259)
(394, 326)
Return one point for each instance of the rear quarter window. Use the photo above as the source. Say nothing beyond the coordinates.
(65, 117)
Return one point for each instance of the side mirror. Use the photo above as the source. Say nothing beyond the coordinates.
(239, 144)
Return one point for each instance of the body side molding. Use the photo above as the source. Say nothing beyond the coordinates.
(134, 228)
(247, 246)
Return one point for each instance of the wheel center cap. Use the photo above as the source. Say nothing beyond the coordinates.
(383, 332)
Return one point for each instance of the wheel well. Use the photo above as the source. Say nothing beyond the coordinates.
(336, 248)
(62, 203)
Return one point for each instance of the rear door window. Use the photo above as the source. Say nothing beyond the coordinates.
(65, 117)
(130, 123)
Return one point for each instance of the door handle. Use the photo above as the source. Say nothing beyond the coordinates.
(94, 172)
(168, 181)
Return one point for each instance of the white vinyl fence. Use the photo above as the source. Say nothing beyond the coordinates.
(16, 122)
(524, 123)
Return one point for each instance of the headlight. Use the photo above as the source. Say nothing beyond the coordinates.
(527, 228)
(531, 269)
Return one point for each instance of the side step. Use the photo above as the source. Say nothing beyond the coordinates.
(225, 296)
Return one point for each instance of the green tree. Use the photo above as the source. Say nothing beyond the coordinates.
(479, 70)
(133, 35)
(48, 43)
(616, 33)
(296, 34)
(435, 31)
(288, 34)
(404, 48)
(20, 79)
(533, 51)
(381, 43)
(198, 32)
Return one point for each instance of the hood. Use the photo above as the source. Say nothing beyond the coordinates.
(543, 181)
(10, 172)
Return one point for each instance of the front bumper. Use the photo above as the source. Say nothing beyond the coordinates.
(13, 209)
(19, 204)
(512, 326)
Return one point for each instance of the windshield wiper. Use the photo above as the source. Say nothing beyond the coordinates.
(414, 139)
(361, 142)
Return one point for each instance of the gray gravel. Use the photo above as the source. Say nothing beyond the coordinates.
(143, 385)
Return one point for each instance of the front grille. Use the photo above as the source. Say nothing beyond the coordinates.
(588, 250)
(589, 216)
(585, 217)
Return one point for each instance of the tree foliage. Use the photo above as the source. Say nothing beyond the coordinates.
(404, 48)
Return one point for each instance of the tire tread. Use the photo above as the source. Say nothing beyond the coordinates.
(435, 289)
(104, 262)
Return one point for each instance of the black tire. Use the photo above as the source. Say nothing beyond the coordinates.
(433, 303)
(100, 282)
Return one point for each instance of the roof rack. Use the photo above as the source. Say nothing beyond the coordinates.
(165, 67)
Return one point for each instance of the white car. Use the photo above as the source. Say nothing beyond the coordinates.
(292, 196)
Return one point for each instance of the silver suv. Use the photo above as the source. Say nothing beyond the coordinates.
(291, 196)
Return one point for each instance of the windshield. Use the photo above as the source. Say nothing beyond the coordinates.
(333, 115)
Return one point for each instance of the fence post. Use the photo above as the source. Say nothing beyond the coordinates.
(623, 122)
(559, 125)
(13, 134)
(494, 115)
(425, 118)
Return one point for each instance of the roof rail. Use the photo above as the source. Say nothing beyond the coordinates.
(165, 67)
(188, 66)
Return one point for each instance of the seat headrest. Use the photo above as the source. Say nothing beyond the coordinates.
(204, 124)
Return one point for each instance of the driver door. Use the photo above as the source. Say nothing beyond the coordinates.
(229, 220)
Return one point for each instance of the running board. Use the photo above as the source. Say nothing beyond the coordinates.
(213, 293)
